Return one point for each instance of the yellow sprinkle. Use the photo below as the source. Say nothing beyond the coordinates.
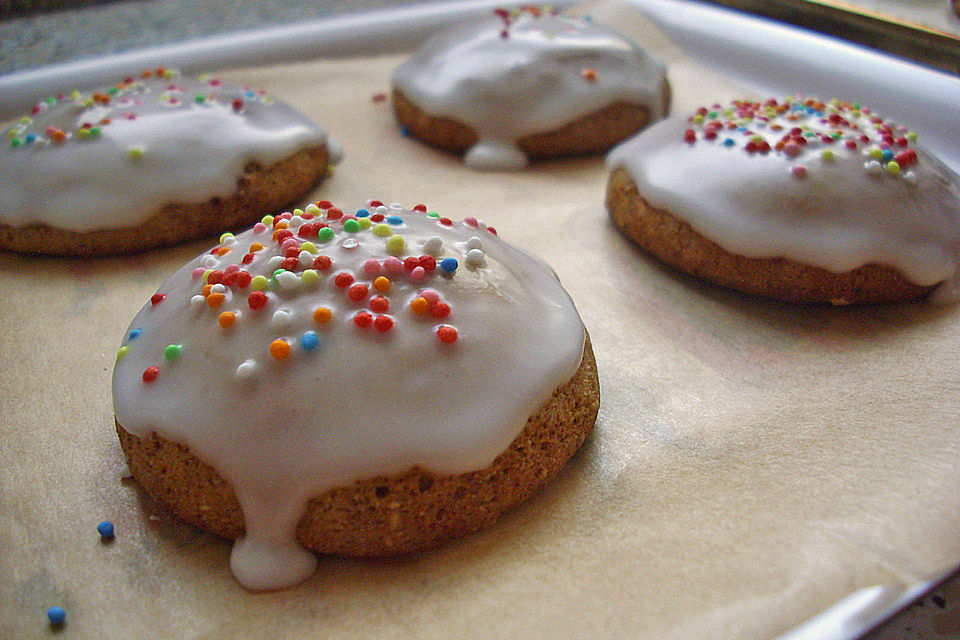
(381, 284)
(206, 274)
(267, 220)
(225, 236)
(321, 315)
(122, 352)
(395, 244)
(365, 223)
(135, 152)
(298, 212)
(309, 277)
(382, 230)
(308, 246)
(419, 306)
(259, 283)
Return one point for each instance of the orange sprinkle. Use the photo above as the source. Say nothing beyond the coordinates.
(56, 134)
(206, 289)
(281, 225)
(215, 299)
(275, 233)
(222, 251)
(101, 98)
(419, 306)
(322, 315)
(146, 74)
(226, 319)
(279, 349)
(381, 284)
(590, 75)
(256, 246)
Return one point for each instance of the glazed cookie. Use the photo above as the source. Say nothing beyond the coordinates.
(364, 384)
(535, 84)
(797, 199)
(152, 161)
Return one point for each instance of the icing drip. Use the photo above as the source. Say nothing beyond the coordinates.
(112, 157)
(512, 75)
(320, 348)
(832, 185)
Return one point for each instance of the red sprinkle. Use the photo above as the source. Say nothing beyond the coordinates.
(215, 277)
(322, 263)
(429, 263)
(247, 259)
(376, 203)
(377, 217)
(244, 279)
(334, 213)
(150, 374)
(411, 263)
(492, 230)
(379, 97)
(358, 292)
(447, 334)
(362, 319)
(343, 280)
(290, 264)
(446, 221)
(383, 323)
(324, 204)
(257, 300)
(237, 104)
(379, 304)
(157, 298)
(690, 135)
(422, 208)
(440, 310)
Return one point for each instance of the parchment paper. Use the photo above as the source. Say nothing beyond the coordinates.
(753, 462)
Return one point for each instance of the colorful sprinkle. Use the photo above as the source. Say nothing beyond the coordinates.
(279, 349)
(322, 315)
(446, 334)
(57, 616)
(150, 374)
(309, 341)
(105, 529)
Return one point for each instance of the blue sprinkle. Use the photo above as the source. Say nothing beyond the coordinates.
(887, 155)
(729, 142)
(362, 213)
(105, 529)
(31, 137)
(449, 264)
(249, 94)
(404, 132)
(309, 341)
(57, 616)
(741, 129)
(133, 334)
(395, 220)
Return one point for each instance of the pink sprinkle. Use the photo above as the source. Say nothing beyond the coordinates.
(430, 296)
(792, 149)
(417, 274)
(198, 273)
(259, 227)
(289, 242)
(799, 172)
(470, 221)
(371, 267)
(393, 265)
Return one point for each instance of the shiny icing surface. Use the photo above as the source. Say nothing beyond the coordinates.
(510, 75)
(827, 184)
(321, 348)
(111, 158)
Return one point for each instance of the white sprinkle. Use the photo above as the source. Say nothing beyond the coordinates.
(474, 243)
(350, 243)
(873, 167)
(433, 245)
(382, 210)
(281, 318)
(396, 207)
(910, 178)
(474, 258)
(246, 370)
(228, 241)
(294, 222)
(218, 288)
(274, 263)
(197, 302)
(208, 261)
(288, 280)
(305, 258)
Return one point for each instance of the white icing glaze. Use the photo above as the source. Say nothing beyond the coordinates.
(837, 205)
(161, 145)
(547, 71)
(362, 402)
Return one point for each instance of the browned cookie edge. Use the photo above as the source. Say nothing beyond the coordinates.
(677, 243)
(260, 191)
(384, 516)
(594, 133)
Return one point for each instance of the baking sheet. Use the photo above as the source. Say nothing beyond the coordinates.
(753, 462)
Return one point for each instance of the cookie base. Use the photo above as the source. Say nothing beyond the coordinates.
(260, 191)
(592, 134)
(386, 516)
(675, 242)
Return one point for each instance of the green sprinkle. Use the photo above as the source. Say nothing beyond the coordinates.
(809, 134)
(258, 283)
(199, 98)
(172, 352)
(94, 132)
(325, 234)
(206, 274)
(122, 351)
(351, 226)
(433, 214)
(395, 244)
(14, 143)
(113, 91)
(273, 278)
